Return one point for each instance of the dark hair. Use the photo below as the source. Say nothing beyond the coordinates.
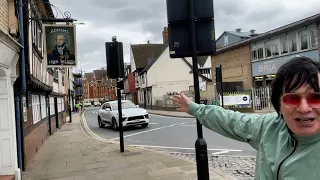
(292, 75)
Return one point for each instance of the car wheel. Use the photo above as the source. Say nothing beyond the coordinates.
(144, 125)
(101, 125)
(114, 125)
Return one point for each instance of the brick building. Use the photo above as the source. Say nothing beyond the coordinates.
(253, 62)
(97, 86)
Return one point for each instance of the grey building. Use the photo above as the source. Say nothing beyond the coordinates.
(230, 37)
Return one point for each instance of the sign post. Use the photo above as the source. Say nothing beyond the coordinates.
(115, 69)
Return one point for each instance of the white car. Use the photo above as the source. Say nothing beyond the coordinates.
(97, 103)
(132, 115)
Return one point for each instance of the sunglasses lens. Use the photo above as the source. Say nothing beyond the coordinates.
(313, 99)
(291, 100)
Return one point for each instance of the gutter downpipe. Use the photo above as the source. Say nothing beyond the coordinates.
(22, 69)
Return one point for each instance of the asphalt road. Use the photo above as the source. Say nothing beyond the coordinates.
(170, 134)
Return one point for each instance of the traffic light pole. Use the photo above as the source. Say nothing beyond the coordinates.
(119, 86)
(200, 144)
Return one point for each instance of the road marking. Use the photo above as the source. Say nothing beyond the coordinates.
(166, 116)
(221, 152)
(148, 131)
(188, 125)
(183, 148)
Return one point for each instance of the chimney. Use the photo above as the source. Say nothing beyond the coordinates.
(252, 31)
(165, 35)
(238, 30)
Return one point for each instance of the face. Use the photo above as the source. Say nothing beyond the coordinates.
(301, 111)
(60, 40)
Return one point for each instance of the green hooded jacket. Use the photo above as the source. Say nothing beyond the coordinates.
(281, 155)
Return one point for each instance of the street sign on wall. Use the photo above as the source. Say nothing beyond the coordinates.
(60, 45)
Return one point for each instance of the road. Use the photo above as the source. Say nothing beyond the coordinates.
(170, 134)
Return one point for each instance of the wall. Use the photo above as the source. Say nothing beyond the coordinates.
(4, 16)
(163, 76)
(236, 66)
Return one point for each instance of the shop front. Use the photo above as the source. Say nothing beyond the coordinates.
(263, 72)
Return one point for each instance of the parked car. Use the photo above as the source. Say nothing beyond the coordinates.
(132, 115)
(97, 103)
(87, 104)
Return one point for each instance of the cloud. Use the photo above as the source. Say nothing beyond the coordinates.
(136, 22)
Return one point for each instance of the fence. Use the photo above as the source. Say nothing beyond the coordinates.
(261, 98)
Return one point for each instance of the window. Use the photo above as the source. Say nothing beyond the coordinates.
(257, 52)
(304, 41)
(292, 40)
(275, 50)
(260, 53)
(268, 50)
(36, 108)
(43, 107)
(314, 38)
(284, 45)
(51, 99)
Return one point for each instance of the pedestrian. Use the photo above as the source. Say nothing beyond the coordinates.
(288, 140)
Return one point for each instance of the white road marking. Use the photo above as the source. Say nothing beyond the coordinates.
(221, 152)
(148, 131)
(185, 148)
(170, 116)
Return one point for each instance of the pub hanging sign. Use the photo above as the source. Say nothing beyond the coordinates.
(60, 45)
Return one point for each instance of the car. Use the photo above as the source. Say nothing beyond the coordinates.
(132, 115)
(87, 104)
(97, 103)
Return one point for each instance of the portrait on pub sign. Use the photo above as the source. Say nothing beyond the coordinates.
(60, 45)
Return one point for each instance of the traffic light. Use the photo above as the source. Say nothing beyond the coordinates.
(114, 55)
(218, 74)
(179, 28)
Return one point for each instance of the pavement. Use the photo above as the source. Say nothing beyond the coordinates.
(74, 153)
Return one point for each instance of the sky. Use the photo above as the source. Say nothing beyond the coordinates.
(140, 21)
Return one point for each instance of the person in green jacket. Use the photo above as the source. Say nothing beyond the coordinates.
(288, 140)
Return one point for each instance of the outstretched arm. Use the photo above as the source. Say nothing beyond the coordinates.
(231, 124)
(235, 125)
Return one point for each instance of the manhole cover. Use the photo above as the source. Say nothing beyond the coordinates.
(131, 153)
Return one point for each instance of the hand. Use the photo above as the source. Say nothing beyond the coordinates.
(182, 101)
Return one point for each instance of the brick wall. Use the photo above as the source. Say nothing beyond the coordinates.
(236, 66)
(34, 140)
(4, 16)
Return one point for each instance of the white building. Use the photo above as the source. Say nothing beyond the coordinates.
(9, 56)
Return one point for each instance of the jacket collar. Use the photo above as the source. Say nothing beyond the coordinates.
(303, 139)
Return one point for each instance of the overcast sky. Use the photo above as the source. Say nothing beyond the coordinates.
(137, 21)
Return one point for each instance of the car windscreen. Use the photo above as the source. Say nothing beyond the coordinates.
(124, 105)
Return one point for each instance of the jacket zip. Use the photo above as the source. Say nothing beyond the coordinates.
(294, 144)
